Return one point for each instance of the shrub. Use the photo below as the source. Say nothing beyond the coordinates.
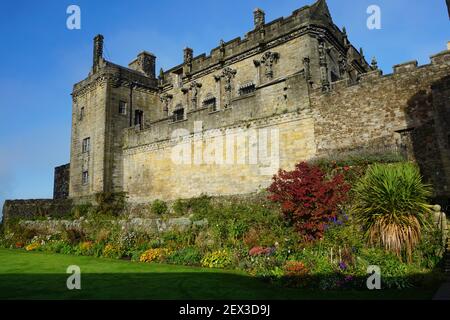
(33, 246)
(110, 203)
(81, 210)
(391, 205)
(218, 259)
(159, 207)
(260, 251)
(307, 199)
(295, 269)
(200, 206)
(73, 235)
(395, 274)
(112, 251)
(85, 248)
(187, 256)
(154, 255)
(19, 245)
(296, 274)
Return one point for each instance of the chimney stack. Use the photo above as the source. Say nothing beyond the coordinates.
(98, 50)
(188, 55)
(147, 64)
(259, 18)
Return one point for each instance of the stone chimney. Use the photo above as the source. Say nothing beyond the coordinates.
(259, 18)
(188, 55)
(98, 51)
(147, 64)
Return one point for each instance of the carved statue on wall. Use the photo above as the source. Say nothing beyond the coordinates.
(323, 65)
(343, 68)
(228, 74)
(268, 60)
(195, 86)
(165, 100)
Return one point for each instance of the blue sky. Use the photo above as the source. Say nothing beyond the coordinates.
(41, 59)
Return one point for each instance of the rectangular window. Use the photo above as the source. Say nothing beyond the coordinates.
(81, 116)
(178, 115)
(139, 119)
(86, 145)
(247, 89)
(210, 103)
(85, 177)
(122, 107)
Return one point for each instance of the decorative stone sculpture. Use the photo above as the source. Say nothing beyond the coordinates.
(268, 60)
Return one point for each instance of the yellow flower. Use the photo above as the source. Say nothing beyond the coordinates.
(32, 246)
(152, 255)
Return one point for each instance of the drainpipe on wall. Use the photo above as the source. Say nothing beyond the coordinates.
(131, 103)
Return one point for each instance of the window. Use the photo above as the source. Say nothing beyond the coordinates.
(85, 177)
(210, 103)
(81, 116)
(178, 115)
(86, 145)
(247, 88)
(139, 118)
(334, 77)
(122, 107)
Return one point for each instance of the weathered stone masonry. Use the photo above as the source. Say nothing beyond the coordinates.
(297, 80)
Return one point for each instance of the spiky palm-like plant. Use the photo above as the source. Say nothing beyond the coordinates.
(392, 206)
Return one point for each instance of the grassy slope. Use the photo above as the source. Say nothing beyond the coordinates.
(25, 275)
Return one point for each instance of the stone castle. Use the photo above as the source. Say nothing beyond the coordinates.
(296, 81)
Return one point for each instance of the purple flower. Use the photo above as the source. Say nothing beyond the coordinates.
(342, 265)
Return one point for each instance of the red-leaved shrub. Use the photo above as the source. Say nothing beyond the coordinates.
(307, 199)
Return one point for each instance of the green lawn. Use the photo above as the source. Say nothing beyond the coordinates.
(35, 275)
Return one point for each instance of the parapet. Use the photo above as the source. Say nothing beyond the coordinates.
(438, 61)
(404, 67)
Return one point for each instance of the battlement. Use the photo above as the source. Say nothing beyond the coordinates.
(438, 61)
(308, 19)
(119, 74)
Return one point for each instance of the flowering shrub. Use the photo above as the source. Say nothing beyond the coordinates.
(295, 269)
(218, 259)
(19, 245)
(259, 251)
(307, 199)
(296, 273)
(33, 246)
(85, 248)
(153, 255)
(111, 251)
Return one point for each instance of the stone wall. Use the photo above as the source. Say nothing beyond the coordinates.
(408, 109)
(61, 182)
(26, 209)
(243, 164)
(148, 226)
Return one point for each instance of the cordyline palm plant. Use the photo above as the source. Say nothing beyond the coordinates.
(392, 206)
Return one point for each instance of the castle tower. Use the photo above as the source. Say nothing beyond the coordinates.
(111, 99)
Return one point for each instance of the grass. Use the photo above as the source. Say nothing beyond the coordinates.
(36, 275)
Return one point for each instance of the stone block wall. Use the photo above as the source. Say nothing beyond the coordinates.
(26, 209)
(61, 182)
(408, 109)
